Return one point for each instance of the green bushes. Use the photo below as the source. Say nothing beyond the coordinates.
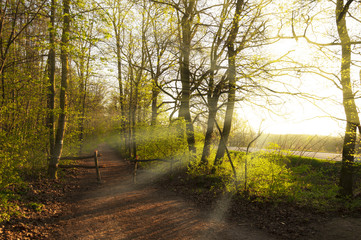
(277, 177)
(163, 142)
(273, 175)
(267, 174)
(22, 154)
(270, 175)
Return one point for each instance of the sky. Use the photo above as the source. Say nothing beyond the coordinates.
(301, 120)
(298, 115)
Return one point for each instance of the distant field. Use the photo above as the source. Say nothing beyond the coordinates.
(295, 142)
(319, 155)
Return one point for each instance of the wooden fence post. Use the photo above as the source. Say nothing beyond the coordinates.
(135, 170)
(96, 165)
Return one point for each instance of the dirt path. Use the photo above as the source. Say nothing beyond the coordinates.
(119, 209)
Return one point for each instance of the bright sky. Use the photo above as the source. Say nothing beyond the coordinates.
(297, 115)
(301, 120)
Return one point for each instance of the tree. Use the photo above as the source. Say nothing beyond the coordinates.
(344, 83)
(186, 12)
(186, 23)
(252, 31)
(159, 60)
(116, 14)
(352, 118)
(231, 79)
(64, 44)
(12, 25)
(51, 76)
(85, 40)
(214, 89)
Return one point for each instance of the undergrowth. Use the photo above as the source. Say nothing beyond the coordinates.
(272, 175)
(22, 158)
(276, 176)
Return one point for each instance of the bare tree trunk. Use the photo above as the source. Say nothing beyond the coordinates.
(213, 93)
(82, 89)
(84, 76)
(155, 93)
(231, 78)
(230, 105)
(213, 97)
(121, 91)
(139, 75)
(127, 120)
(346, 176)
(184, 110)
(210, 128)
(58, 146)
(134, 121)
(51, 75)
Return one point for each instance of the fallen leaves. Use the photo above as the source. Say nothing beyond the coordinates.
(40, 205)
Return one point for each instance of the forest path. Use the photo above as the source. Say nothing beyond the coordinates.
(119, 209)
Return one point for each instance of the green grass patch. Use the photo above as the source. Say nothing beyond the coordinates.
(274, 176)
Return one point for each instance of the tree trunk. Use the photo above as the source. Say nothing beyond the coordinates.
(130, 112)
(134, 121)
(212, 104)
(230, 104)
(185, 49)
(155, 93)
(58, 146)
(84, 76)
(231, 78)
(213, 96)
(121, 91)
(346, 175)
(51, 75)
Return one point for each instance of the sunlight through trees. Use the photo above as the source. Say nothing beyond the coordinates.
(73, 72)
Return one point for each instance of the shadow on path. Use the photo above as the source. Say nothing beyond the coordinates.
(119, 209)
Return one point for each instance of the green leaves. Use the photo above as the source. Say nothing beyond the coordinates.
(162, 142)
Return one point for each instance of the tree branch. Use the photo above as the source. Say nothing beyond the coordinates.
(344, 10)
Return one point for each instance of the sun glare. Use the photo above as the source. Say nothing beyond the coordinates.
(297, 115)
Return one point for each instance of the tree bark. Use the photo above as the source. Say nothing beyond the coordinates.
(84, 77)
(231, 79)
(352, 118)
(212, 104)
(51, 75)
(130, 112)
(213, 92)
(185, 49)
(121, 91)
(58, 146)
(213, 97)
(134, 121)
(230, 105)
(155, 93)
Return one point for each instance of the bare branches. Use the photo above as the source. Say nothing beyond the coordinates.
(175, 6)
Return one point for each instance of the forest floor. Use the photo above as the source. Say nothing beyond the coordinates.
(116, 208)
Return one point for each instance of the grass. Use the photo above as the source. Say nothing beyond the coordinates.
(274, 177)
